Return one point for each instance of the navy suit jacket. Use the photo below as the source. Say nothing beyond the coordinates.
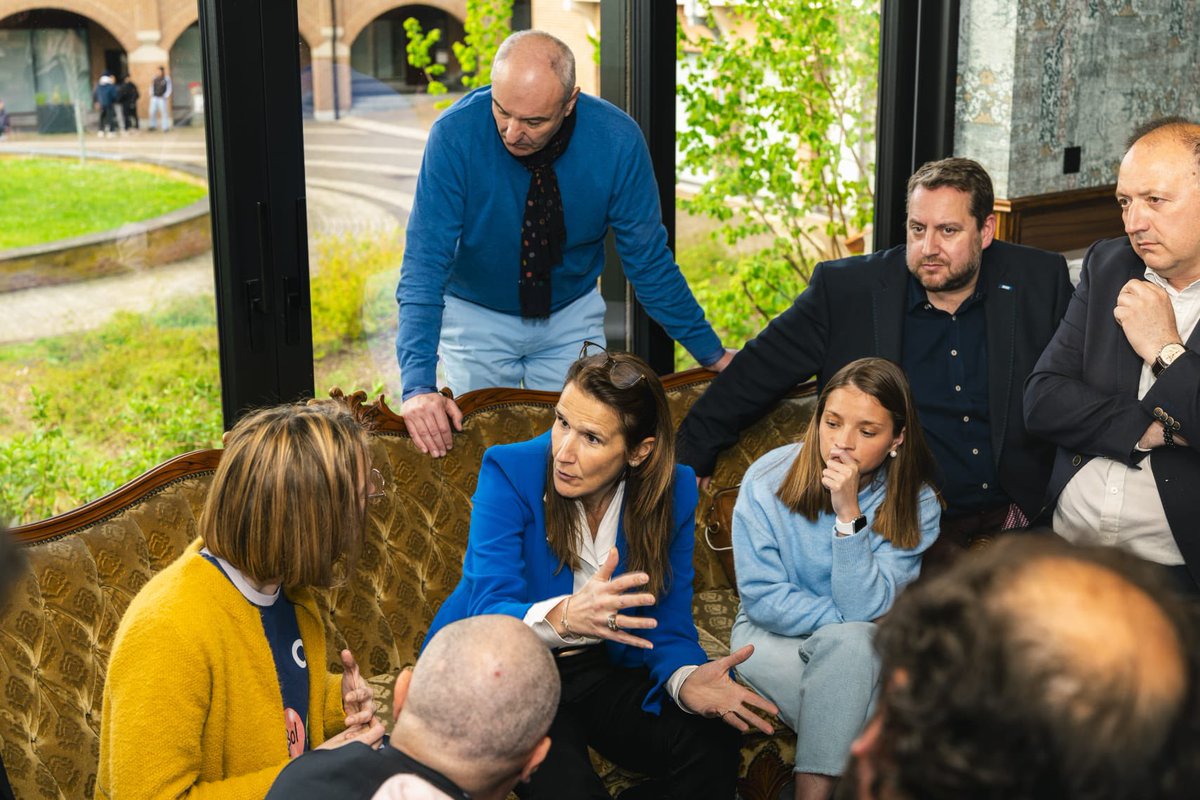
(854, 308)
(1083, 395)
(509, 565)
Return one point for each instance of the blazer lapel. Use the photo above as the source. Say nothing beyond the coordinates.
(1000, 312)
(887, 311)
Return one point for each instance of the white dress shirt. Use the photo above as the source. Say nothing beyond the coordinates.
(1111, 504)
(592, 554)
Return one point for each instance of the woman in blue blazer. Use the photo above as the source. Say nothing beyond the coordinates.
(554, 520)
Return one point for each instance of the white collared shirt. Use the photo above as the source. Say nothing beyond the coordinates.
(592, 554)
(1111, 504)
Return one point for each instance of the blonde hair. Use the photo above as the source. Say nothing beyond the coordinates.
(287, 499)
(898, 518)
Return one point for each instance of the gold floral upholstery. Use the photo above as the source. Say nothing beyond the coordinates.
(85, 567)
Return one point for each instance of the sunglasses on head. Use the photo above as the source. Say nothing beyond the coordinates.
(623, 374)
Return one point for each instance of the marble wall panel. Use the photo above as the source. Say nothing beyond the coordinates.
(1069, 73)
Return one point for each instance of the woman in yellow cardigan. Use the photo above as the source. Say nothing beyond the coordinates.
(217, 676)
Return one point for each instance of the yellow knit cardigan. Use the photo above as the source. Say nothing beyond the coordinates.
(192, 704)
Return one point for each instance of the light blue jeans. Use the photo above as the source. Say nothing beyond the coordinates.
(481, 348)
(824, 683)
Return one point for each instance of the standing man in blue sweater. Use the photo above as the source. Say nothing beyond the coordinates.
(519, 185)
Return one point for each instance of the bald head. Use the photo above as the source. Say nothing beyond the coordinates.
(533, 90)
(485, 689)
(1168, 129)
(531, 58)
(1036, 669)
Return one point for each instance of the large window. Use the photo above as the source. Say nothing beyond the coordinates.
(108, 345)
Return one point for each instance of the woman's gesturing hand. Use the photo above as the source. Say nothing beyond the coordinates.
(595, 610)
(710, 691)
(840, 477)
(358, 701)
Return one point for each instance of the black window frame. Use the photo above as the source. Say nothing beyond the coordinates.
(255, 147)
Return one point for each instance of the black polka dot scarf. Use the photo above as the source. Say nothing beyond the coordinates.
(543, 230)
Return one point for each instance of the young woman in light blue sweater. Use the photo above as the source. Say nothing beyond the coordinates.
(826, 532)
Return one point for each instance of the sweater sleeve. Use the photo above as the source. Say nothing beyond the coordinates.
(157, 698)
(769, 596)
(335, 711)
(641, 240)
(433, 232)
(869, 572)
(790, 350)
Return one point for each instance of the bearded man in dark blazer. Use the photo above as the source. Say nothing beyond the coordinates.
(1118, 389)
(964, 314)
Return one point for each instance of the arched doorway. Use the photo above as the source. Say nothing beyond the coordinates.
(50, 60)
(187, 74)
(379, 60)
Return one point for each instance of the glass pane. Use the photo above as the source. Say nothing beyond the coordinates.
(108, 346)
(362, 161)
(776, 119)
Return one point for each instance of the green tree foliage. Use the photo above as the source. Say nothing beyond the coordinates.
(780, 112)
(487, 24)
(418, 47)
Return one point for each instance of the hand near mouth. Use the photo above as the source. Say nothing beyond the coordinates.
(840, 477)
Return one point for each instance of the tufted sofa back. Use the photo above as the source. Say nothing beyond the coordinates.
(86, 566)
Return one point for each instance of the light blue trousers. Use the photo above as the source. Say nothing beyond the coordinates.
(481, 348)
(824, 683)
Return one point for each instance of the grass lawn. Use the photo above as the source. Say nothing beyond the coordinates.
(47, 199)
(84, 412)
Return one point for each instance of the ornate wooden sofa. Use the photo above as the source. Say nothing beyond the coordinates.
(85, 566)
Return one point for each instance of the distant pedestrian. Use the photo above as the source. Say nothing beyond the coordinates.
(160, 100)
(105, 98)
(127, 96)
(4, 123)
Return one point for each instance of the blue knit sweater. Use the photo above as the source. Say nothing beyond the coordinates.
(795, 576)
(464, 231)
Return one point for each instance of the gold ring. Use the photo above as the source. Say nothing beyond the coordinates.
(612, 623)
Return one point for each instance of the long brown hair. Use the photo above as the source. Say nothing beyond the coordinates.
(642, 411)
(287, 499)
(897, 519)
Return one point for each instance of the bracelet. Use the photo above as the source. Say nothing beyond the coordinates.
(563, 619)
(1168, 435)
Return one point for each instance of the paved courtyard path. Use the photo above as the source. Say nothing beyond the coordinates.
(360, 173)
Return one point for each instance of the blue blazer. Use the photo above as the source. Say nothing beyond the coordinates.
(509, 565)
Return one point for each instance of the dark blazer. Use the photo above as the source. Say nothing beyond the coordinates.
(854, 308)
(509, 565)
(1082, 395)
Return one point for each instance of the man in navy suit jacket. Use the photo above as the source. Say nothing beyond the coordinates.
(965, 315)
(1118, 388)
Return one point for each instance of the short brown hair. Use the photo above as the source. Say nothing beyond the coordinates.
(958, 173)
(287, 500)
(898, 519)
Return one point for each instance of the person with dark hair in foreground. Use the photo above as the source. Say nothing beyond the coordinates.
(471, 721)
(586, 533)
(1035, 670)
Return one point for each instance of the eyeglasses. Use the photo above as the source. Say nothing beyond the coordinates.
(377, 488)
(623, 374)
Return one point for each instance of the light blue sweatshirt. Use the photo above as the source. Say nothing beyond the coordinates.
(795, 576)
(464, 231)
